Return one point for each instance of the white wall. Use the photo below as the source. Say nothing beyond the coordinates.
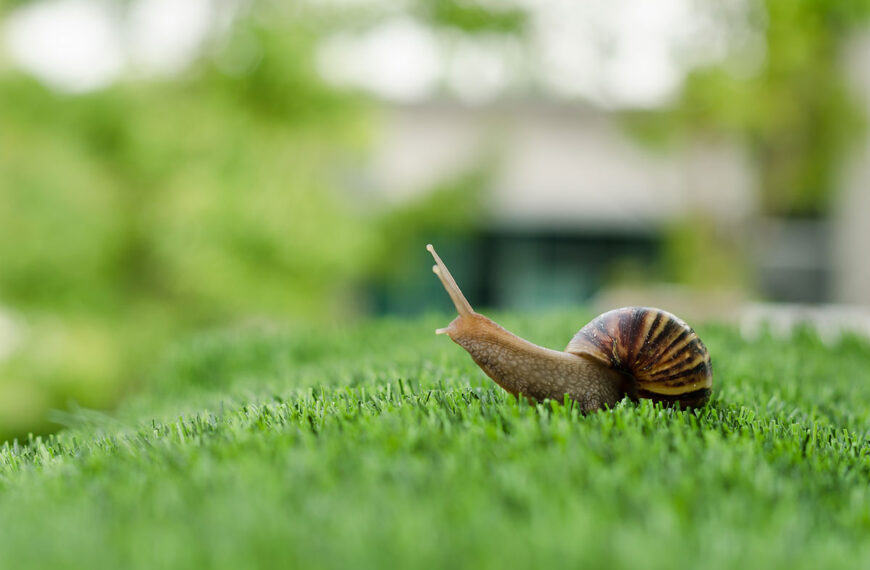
(560, 165)
(852, 212)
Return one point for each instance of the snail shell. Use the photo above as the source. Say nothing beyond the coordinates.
(660, 352)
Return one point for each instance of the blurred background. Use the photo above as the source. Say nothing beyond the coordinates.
(172, 165)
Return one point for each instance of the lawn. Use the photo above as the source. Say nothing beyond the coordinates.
(384, 445)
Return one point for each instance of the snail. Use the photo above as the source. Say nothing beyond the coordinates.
(634, 352)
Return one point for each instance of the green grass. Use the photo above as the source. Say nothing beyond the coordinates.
(385, 446)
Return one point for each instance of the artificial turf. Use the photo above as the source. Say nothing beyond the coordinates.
(382, 445)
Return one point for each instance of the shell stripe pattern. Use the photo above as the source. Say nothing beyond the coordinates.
(661, 352)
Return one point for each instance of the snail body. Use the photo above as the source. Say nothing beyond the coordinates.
(634, 352)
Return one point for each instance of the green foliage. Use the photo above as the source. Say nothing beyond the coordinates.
(131, 215)
(788, 100)
(694, 253)
(384, 445)
(138, 194)
(474, 17)
(146, 209)
(150, 208)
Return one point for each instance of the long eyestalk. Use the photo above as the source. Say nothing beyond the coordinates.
(463, 307)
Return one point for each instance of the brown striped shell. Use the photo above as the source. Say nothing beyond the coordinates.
(664, 356)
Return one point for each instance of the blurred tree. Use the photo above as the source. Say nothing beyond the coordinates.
(474, 17)
(154, 206)
(787, 99)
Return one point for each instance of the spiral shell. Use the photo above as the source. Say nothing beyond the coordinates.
(664, 356)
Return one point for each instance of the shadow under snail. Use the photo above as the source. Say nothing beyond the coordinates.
(638, 352)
